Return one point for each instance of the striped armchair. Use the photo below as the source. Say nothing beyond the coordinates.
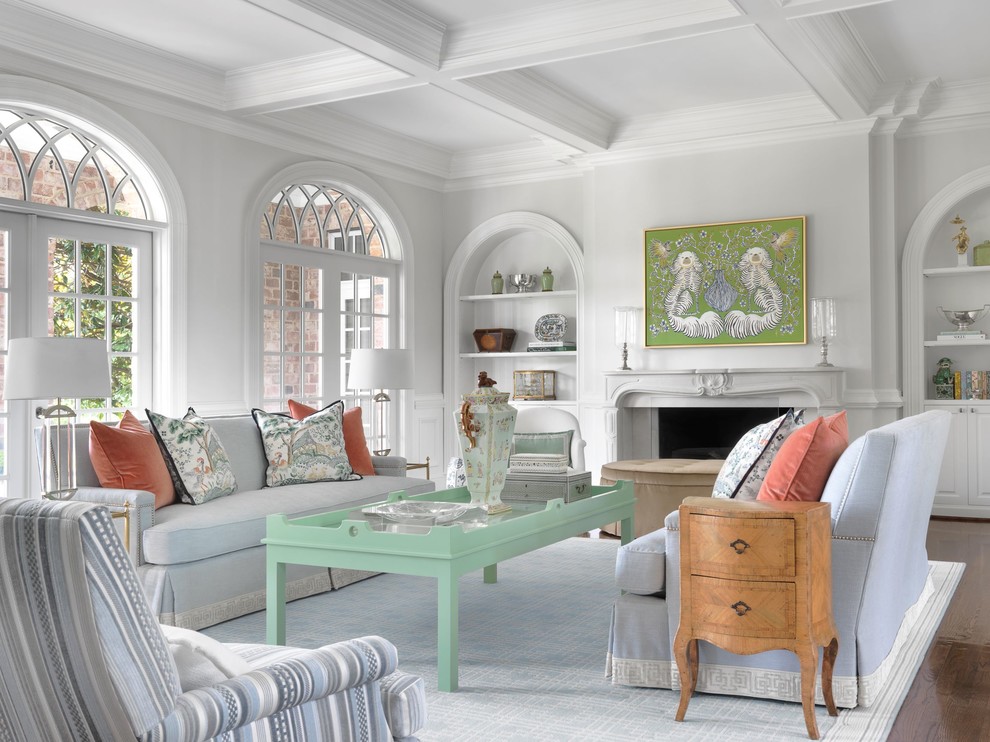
(85, 659)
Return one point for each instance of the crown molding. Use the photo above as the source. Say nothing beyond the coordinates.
(319, 78)
(952, 108)
(709, 122)
(542, 32)
(81, 47)
(534, 101)
(905, 100)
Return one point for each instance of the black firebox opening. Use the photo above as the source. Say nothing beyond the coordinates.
(707, 432)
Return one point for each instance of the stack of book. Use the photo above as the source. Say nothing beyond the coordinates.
(540, 346)
(961, 336)
(538, 463)
(970, 384)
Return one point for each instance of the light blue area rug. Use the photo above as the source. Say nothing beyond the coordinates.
(532, 657)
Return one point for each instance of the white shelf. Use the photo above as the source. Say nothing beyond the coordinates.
(955, 343)
(524, 354)
(956, 271)
(571, 293)
(958, 402)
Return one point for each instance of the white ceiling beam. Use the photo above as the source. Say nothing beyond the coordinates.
(313, 80)
(823, 49)
(532, 100)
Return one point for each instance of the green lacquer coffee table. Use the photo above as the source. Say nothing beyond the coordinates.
(357, 540)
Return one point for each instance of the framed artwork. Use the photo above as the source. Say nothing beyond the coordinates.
(735, 283)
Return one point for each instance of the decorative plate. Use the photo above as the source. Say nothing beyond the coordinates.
(418, 512)
(551, 327)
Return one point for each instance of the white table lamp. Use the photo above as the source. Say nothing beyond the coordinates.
(46, 368)
(823, 325)
(381, 369)
(625, 331)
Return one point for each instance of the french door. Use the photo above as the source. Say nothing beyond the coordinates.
(61, 277)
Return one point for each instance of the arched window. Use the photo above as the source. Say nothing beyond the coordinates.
(330, 284)
(76, 259)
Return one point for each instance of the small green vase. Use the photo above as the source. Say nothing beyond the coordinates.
(547, 279)
(498, 283)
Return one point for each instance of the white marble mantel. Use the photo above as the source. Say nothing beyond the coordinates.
(819, 387)
(633, 393)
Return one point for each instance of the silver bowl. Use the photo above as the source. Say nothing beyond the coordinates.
(523, 282)
(964, 318)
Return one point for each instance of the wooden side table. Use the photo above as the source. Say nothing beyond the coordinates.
(757, 576)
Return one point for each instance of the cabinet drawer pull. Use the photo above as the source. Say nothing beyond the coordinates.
(739, 545)
(740, 608)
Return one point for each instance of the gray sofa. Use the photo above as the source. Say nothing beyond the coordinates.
(203, 564)
(881, 492)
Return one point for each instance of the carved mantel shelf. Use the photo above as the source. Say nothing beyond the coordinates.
(820, 387)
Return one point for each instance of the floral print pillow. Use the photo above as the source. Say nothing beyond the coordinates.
(747, 464)
(308, 450)
(194, 456)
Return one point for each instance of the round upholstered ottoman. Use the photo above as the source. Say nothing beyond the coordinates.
(660, 485)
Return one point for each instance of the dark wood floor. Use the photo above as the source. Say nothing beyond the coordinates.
(950, 698)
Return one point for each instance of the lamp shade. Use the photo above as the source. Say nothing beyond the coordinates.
(625, 325)
(381, 368)
(823, 317)
(47, 368)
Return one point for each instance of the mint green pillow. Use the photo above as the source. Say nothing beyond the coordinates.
(553, 443)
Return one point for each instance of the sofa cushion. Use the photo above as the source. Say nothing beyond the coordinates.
(187, 533)
(748, 462)
(195, 457)
(641, 565)
(805, 461)
(128, 457)
(354, 441)
(307, 450)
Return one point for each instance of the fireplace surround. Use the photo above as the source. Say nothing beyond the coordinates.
(633, 398)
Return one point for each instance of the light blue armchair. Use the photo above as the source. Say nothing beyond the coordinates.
(85, 659)
(881, 492)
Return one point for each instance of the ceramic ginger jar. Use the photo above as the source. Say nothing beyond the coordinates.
(485, 423)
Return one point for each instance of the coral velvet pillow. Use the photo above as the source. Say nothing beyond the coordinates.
(805, 460)
(354, 441)
(128, 457)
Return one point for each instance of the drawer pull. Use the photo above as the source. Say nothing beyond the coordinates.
(740, 608)
(739, 545)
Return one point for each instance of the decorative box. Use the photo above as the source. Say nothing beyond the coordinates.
(538, 463)
(494, 339)
(981, 253)
(534, 385)
(575, 485)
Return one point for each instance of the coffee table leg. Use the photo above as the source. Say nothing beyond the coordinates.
(275, 602)
(627, 530)
(447, 614)
(491, 574)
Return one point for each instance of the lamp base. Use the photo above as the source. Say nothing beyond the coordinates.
(383, 452)
(58, 469)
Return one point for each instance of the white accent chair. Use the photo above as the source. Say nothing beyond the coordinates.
(552, 420)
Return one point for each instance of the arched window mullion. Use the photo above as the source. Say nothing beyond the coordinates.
(45, 151)
(311, 204)
(19, 162)
(90, 155)
(347, 231)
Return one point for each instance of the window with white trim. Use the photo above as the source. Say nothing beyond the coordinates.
(323, 251)
(76, 261)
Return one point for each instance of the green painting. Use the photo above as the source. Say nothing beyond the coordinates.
(736, 283)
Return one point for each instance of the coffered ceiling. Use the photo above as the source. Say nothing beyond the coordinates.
(454, 90)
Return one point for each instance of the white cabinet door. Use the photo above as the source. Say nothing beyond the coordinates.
(979, 471)
(952, 492)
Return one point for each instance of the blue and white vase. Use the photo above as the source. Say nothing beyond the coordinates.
(485, 424)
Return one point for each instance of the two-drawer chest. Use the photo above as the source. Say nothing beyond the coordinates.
(757, 576)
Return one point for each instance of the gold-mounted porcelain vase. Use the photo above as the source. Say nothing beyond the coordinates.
(485, 424)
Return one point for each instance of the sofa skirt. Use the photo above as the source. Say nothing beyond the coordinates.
(639, 655)
(195, 595)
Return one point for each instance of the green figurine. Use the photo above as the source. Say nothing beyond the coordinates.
(943, 379)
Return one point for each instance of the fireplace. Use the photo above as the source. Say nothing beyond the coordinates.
(636, 401)
(706, 432)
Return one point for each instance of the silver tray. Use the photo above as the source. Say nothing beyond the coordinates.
(419, 512)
